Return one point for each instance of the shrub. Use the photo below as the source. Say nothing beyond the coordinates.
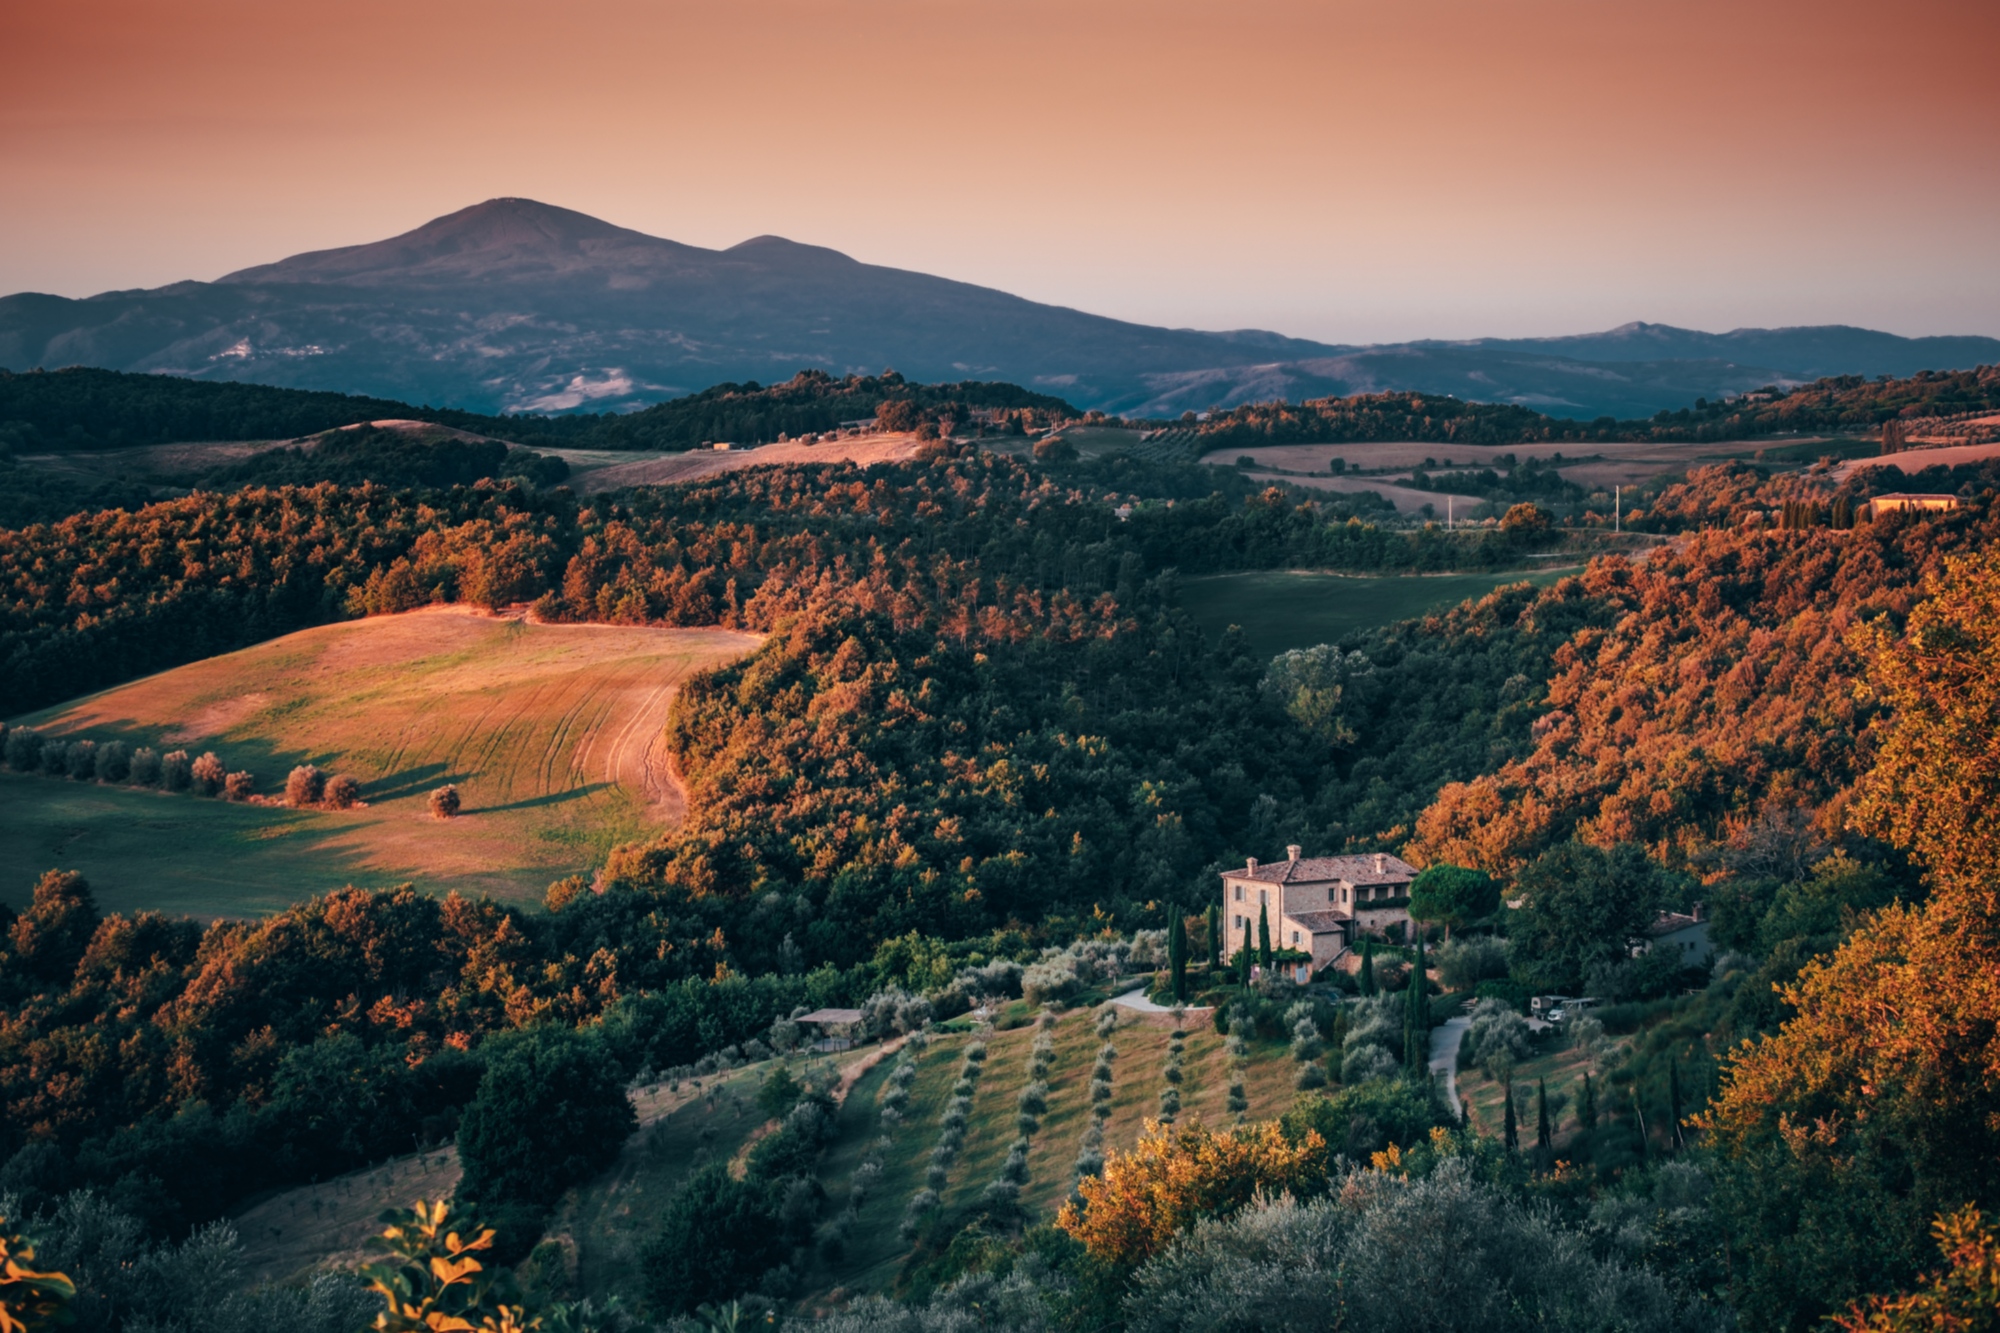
(342, 793)
(444, 802)
(114, 761)
(1511, 992)
(717, 1237)
(305, 785)
(550, 1111)
(24, 749)
(1365, 1118)
(1465, 962)
(82, 761)
(1498, 1038)
(239, 786)
(1175, 1177)
(208, 774)
(145, 767)
(176, 773)
(55, 757)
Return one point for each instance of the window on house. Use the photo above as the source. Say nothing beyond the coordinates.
(1295, 939)
(1239, 893)
(1263, 897)
(1343, 897)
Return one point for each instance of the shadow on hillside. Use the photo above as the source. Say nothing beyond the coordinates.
(549, 798)
(411, 782)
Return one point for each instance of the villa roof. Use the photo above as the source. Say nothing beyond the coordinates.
(831, 1016)
(1317, 869)
(1318, 923)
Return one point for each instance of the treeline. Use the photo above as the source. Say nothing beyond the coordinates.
(813, 401)
(1841, 403)
(61, 411)
(81, 408)
(393, 458)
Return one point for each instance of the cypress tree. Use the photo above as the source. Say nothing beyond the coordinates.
(1264, 939)
(1212, 934)
(1417, 1016)
(1420, 1005)
(1542, 1135)
(1410, 1065)
(1675, 1136)
(1177, 954)
(1586, 1107)
(1367, 965)
(1510, 1133)
(1245, 956)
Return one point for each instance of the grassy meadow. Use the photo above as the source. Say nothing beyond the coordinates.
(552, 733)
(1284, 609)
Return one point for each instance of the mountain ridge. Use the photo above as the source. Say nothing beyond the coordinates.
(516, 305)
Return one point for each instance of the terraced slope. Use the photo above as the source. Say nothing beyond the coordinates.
(552, 734)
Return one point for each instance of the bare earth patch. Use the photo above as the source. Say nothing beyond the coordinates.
(1916, 460)
(698, 463)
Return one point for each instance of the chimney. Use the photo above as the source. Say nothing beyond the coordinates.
(1700, 911)
(1381, 863)
(1253, 867)
(1292, 852)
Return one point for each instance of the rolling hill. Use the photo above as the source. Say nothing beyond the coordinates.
(513, 305)
(550, 732)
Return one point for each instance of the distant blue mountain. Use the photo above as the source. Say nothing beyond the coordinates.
(513, 305)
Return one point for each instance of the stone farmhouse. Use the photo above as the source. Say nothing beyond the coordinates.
(1321, 905)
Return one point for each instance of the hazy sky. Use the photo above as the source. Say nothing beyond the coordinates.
(1349, 171)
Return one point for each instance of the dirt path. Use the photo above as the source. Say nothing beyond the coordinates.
(1916, 460)
(1446, 1038)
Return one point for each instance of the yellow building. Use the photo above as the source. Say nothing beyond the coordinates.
(1900, 500)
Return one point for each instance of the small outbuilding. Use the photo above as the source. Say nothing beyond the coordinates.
(835, 1027)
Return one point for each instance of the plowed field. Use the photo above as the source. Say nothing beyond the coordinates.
(552, 734)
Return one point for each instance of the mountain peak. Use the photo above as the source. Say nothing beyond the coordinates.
(778, 250)
(505, 237)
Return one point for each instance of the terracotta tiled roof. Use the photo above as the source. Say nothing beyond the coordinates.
(1669, 922)
(1318, 923)
(1315, 869)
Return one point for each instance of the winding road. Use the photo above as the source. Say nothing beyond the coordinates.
(1445, 1041)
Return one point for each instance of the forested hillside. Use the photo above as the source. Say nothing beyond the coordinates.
(981, 727)
(1845, 403)
(82, 408)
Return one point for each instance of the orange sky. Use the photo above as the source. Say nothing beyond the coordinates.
(1349, 171)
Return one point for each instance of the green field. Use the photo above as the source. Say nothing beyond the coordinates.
(553, 735)
(1283, 609)
(148, 850)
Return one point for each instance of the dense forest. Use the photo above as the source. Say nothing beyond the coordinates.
(981, 726)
